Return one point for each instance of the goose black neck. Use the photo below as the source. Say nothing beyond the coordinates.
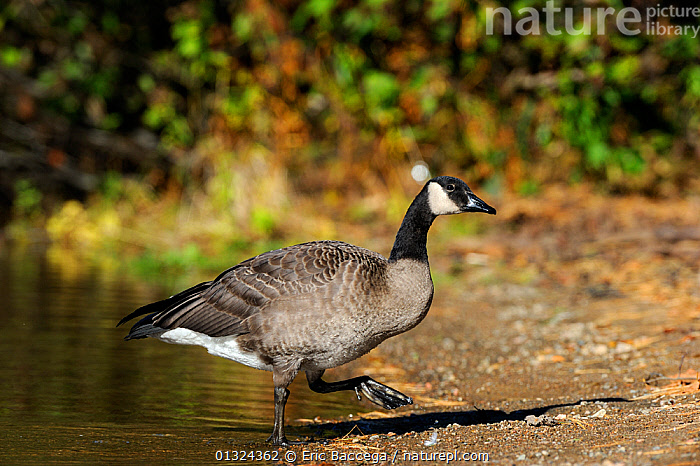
(411, 240)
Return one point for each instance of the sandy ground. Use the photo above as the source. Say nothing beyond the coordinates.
(568, 334)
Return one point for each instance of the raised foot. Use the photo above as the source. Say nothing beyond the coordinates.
(380, 394)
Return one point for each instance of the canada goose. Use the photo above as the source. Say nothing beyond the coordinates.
(313, 306)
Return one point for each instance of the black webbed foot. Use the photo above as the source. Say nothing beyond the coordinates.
(382, 395)
(377, 393)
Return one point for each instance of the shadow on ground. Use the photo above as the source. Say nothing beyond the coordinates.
(423, 422)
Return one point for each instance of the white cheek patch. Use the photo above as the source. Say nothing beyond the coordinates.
(439, 202)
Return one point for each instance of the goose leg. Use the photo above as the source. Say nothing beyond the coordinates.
(278, 437)
(281, 381)
(377, 393)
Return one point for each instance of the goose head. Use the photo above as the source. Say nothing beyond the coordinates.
(448, 195)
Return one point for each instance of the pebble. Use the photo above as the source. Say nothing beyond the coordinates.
(432, 440)
(537, 421)
(600, 413)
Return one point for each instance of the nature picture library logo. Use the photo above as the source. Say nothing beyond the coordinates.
(555, 19)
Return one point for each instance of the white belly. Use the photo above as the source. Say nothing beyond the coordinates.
(226, 347)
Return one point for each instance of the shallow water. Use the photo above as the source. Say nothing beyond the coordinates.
(72, 389)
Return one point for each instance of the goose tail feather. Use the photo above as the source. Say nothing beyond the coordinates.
(144, 327)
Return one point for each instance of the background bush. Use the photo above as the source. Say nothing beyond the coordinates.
(221, 101)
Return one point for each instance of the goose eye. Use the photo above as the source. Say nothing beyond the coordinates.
(449, 188)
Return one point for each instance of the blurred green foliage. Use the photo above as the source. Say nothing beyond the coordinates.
(27, 199)
(377, 83)
(258, 106)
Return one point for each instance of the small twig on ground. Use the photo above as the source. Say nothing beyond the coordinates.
(351, 430)
(682, 379)
(681, 364)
